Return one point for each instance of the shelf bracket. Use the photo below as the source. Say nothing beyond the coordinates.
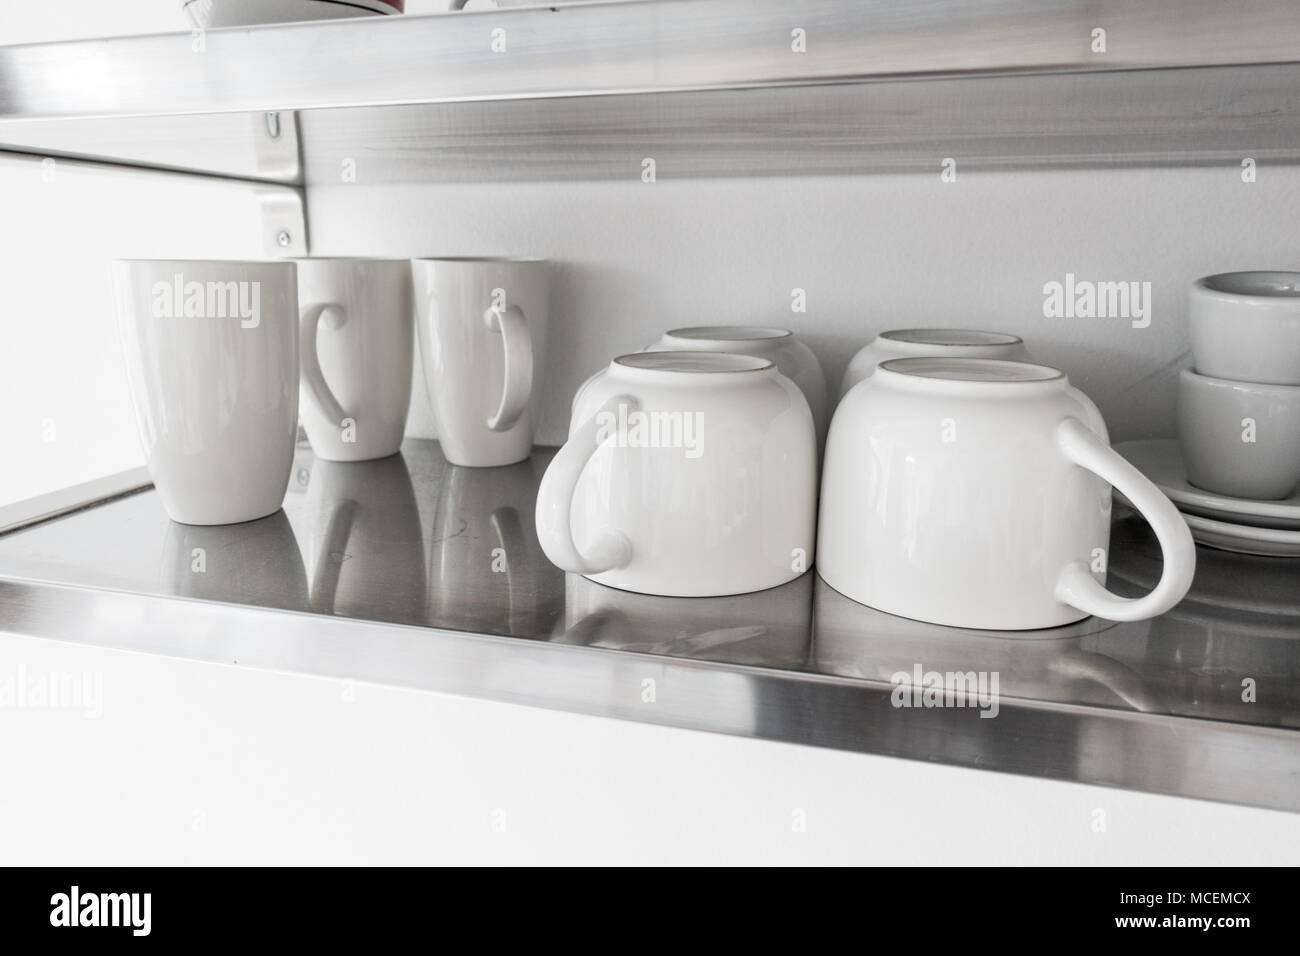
(284, 221)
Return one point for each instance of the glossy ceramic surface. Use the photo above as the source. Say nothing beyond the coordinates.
(793, 359)
(977, 493)
(1245, 326)
(357, 335)
(481, 324)
(1245, 539)
(212, 359)
(913, 343)
(685, 473)
(1240, 438)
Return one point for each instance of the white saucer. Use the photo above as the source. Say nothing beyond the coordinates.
(1162, 462)
(1244, 538)
(244, 13)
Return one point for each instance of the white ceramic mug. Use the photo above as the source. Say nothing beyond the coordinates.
(793, 359)
(356, 338)
(948, 343)
(212, 358)
(482, 331)
(1239, 438)
(685, 473)
(977, 493)
(1245, 326)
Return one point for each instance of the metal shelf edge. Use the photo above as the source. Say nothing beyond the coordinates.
(1177, 756)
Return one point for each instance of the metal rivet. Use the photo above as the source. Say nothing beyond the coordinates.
(283, 238)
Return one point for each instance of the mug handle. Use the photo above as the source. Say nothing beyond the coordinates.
(518, 385)
(555, 502)
(1075, 585)
(317, 388)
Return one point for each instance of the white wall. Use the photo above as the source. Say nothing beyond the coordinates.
(67, 410)
(872, 252)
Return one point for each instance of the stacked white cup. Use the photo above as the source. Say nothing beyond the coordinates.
(1239, 407)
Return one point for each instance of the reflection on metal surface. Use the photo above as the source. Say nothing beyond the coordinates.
(258, 560)
(1056, 664)
(487, 570)
(764, 629)
(362, 550)
(1231, 649)
(364, 528)
(413, 540)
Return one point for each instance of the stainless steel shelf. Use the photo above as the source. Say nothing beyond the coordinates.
(989, 96)
(604, 49)
(384, 572)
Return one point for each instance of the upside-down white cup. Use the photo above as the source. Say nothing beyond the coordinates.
(793, 359)
(947, 343)
(686, 473)
(212, 358)
(977, 493)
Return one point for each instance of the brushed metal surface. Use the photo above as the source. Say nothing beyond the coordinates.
(1078, 120)
(232, 145)
(427, 99)
(594, 49)
(412, 572)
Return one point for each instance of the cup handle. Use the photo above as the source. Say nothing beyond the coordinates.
(555, 501)
(1075, 585)
(317, 388)
(518, 385)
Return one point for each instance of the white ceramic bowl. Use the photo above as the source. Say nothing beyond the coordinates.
(1245, 326)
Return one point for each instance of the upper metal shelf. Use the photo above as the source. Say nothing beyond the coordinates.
(625, 48)
(761, 87)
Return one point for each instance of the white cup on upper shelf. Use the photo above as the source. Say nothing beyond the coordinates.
(212, 14)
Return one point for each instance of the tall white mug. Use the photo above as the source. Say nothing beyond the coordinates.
(212, 358)
(482, 331)
(356, 342)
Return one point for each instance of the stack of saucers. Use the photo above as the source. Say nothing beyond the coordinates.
(1234, 470)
